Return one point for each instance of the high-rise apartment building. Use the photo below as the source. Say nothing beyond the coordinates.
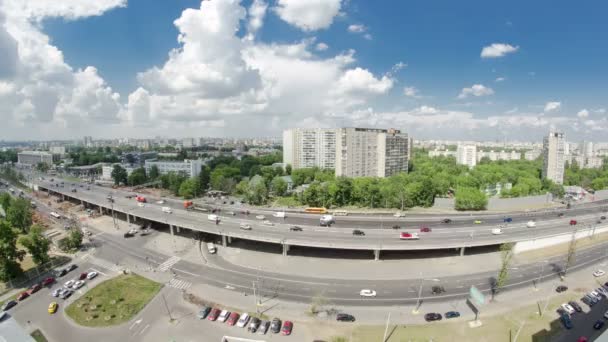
(309, 147)
(466, 154)
(553, 157)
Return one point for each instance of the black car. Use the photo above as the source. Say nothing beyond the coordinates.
(396, 227)
(342, 317)
(561, 288)
(254, 325)
(275, 325)
(452, 314)
(295, 229)
(71, 267)
(61, 273)
(204, 312)
(598, 324)
(575, 306)
(560, 215)
(603, 217)
(587, 301)
(128, 235)
(358, 232)
(433, 316)
(9, 305)
(437, 290)
(446, 220)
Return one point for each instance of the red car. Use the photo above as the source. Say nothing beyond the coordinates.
(573, 222)
(287, 327)
(233, 318)
(83, 276)
(23, 295)
(35, 288)
(425, 229)
(48, 281)
(214, 314)
(408, 236)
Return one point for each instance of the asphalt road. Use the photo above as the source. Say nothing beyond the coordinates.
(583, 323)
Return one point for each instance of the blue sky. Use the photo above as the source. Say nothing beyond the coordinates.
(559, 56)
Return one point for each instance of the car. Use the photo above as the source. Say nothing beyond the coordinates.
(223, 316)
(367, 293)
(432, 316)
(234, 316)
(295, 229)
(48, 281)
(91, 275)
(52, 307)
(603, 218)
(357, 232)
(602, 292)
(477, 221)
(596, 295)
(531, 224)
(437, 290)
(69, 283)
(65, 293)
(60, 273)
(560, 215)
(425, 229)
(452, 314)
(573, 222)
(35, 288)
(245, 226)
(606, 315)
(275, 325)
(396, 226)
(598, 273)
(408, 236)
(128, 235)
(204, 312)
(83, 275)
(587, 301)
(140, 204)
(287, 328)
(598, 324)
(576, 306)
(343, 317)
(260, 217)
(242, 322)
(56, 292)
(561, 288)
(23, 295)
(9, 305)
(399, 214)
(264, 325)
(71, 267)
(568, 308)
(253, 325)
(507, 220)
(78, 284)
(582, 339)
(565, 319)
(160, 202)
(496, 231)
(268, 223)
(214, 314)
(446, 221)
(3, 315)
(592, 298)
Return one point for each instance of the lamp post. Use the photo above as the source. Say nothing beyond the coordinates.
(418, 301)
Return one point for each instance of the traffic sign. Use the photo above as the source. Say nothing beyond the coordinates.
(478, 297)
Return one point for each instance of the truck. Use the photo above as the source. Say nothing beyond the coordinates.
(188, 204)
(140, 199)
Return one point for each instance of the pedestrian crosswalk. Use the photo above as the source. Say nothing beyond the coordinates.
(168, 263)
(103, 263)
(179, 284)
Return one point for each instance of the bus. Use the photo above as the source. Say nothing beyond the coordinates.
(316, 210)
(55, 215)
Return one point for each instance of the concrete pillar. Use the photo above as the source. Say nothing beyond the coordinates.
(171, 228)
(462, 251)
(230, 239)
(128, 218)
(285, 249)
(224, 242)
(376, 254)
(62, 197)
(177, 229)
(101, 210)
(81, 202)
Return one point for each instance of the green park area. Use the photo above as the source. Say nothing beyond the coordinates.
(114, 301)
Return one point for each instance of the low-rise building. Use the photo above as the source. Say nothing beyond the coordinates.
(32, 158)
(191, 168)
(107, 168)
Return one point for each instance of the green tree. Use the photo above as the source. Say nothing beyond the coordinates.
(75, 239)
(137, 177)
(10, 256)
(279, 186)
(36, 244)
(119, 175)
(340, 191)
(470, 199)
(506, 254)
(42, 167)
(19, 215)
(204, 179)
(5, 201)
(189, 188)
(288, 169)
(154, 172)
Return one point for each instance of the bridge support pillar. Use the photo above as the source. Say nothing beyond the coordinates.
(285, 249)
(171, 228)
(229, 239)
(224, 241)
(81, 202)
(177, 229)
(376, 254)
(63, 197)
(101, 210)
(128, 218)
(462, 251)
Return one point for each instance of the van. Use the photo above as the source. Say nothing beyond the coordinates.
(167, 210)
(211, 248)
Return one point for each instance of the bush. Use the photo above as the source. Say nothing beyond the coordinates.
(470, 199)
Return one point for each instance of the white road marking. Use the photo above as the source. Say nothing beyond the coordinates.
(168, 263)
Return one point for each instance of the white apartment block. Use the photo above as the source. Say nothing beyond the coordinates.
(57, 150)
(553, 157)
(106, 170)
(32, 158)
(191, 168)
(442, 153)
(594, 162)
(532, 154)
(310, 147)
(501, 155)
(369, 152)
(466, 154)
(189, 142)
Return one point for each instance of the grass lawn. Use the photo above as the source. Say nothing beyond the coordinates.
(37, 335)
(114, 301)
(497, 328)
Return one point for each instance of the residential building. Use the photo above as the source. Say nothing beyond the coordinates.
(532, 154)
(189, 142)
(137, 158)
(57, 150)
(106, 170)
(32, 158)
(594, 162)
(370, 152)
(190, 168)
(553, 157)
(309, 147)
(586, 149)
(466, 154)
(87, 141)
(442, 153)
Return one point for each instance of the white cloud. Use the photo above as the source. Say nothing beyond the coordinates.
(499, 79)
(411, 92)
(552, 106)
(583, 113)
(498, 50)
(67, 9)
(308, 15)
(600, 111)
(357, 28)
(475, 90)
(321, 47)
(367, 36)
(361, 80)
(256, 13)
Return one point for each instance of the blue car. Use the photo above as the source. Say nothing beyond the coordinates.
(452, 314)
(566, 320)
(598, 325)
(507, 220)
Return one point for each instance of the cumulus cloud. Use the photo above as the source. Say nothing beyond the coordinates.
(499, 79)
(475, 90)
(321, 46)
(411, 92)
(67, 9)
(308, 15)
(552, 106)
(256, 12)
(583, 113)
(498, 50)
(357, 28)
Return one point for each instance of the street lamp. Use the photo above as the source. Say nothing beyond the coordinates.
(418, 301)
(540, 275)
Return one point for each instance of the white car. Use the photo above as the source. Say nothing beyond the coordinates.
(531, 224)
(91, 275)
(399, 214)
(160, 202)
(598, 273)
(223, 316)
(245, 226)
(268, 223)
(212, 217)
(367, 293)
(280, 214)
(140, 204)
(260, 217)
(167, 210)
(243, 320)
(69, 283)
(56, 292)
(496, 231)
(568, 308)
(78, 284)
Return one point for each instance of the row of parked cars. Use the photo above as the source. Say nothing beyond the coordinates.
(72, 285)
(253, 324)
(566, 310)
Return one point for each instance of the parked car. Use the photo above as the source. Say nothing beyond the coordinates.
(295, 229)
(343, 317)
(83, 276)
(287, 328)
(56, 292)
(35, 288)
(576, 306)
(367, 293)
(275, 325)
(91, 275)
(432, 316)
(78, 284)
(69, 283)
(242, 322)
(264, 325)
(65, 293)
(213, 315)
(204, 312)
(23, 295)
(357, 232)
(234, 316)
(603, 217)
(253, 325)
(9, 305)
(61, 272)
(71, 267)
(565, 319)
(598, 273)
(452, 314)
(223, 316)
(598, 324)
(568, 308)
(52, 308)
(561, 288)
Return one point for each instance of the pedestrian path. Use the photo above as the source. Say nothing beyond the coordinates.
(179, 284)
(168, 263)
(103, 263)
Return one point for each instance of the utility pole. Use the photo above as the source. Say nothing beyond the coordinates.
(388, 319)
(167, 306)
(419, 294)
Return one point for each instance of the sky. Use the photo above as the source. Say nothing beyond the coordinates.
(472, 70)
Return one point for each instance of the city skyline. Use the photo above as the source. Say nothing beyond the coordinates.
(260, 67)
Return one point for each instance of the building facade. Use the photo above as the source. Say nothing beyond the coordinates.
(553, 157)
(190, 168)
(309, 147)
(32, 158)
(466, 154)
